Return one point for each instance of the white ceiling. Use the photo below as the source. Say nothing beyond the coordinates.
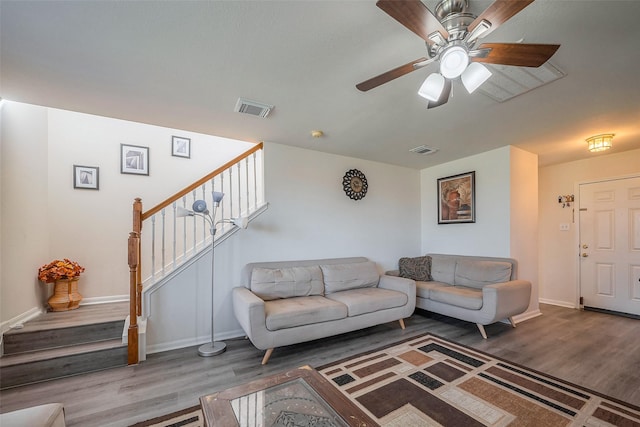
(184, 65)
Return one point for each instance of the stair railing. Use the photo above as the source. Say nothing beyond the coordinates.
(173, 240)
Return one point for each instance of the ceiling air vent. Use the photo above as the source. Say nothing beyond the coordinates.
(423, 149)
(253, 108)
(508, 82)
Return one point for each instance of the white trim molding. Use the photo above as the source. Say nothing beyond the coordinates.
(558, 303)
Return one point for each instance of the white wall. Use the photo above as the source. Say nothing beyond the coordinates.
(24, 218)
(490, 234)
(309, 217)
(559, 249)
(45, 218)
(506, 211)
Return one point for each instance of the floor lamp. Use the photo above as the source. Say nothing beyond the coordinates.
(199, 208)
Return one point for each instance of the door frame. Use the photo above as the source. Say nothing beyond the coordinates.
(576, 220)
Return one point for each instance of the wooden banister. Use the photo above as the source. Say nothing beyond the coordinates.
(198, 183)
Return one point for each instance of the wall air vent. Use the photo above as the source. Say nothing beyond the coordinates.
(253, 108)
(423, 149)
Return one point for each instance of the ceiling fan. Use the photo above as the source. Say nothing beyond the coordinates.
(451, 35)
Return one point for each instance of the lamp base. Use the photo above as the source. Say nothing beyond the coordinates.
(212, 349)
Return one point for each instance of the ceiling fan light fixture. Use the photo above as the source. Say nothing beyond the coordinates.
(474, 76)
(432, 87)
(600, 142)
(453, 62)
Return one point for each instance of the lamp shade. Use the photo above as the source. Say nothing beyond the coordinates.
(199, 206)
(181, 212)
(474, 76)
(241, 222)
(217, 196)
(453, 62)
(432, 87)
(600, 142)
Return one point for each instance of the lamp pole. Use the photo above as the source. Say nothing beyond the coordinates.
(213, 348)
(200, 209)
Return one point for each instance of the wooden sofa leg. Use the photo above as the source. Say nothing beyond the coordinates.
(513, 323)
(482, 331)
(267, 355)
(402, 323)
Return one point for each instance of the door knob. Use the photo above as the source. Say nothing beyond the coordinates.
(584, 255)
(585, 246)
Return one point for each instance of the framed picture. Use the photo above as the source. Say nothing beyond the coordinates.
(457, 198)
(180, 147)
(86, 177)
(134, 159)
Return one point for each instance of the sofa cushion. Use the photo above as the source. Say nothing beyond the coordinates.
(418, 268)
(477, 274)
(443, 269)
(368, 300)
(300, 311)
(423, 289)
(274, 283)
(342, 277)
(459, 296)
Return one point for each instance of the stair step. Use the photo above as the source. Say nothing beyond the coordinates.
(61, 329)
(44, 365)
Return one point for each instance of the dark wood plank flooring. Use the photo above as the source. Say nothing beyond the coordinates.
(595, 350)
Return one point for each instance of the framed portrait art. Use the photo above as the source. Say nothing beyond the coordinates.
(86, 177)
(457, 198)
(134, 159)
(180, 147)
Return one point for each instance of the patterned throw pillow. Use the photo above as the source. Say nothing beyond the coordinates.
(418, 268)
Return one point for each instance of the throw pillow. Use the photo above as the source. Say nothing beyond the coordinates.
(418, 268)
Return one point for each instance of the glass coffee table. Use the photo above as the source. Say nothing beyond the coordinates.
(300, 397)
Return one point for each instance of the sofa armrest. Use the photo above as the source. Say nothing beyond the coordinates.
(395, 273)
(399, 284)
(508, 298)
(250, 313)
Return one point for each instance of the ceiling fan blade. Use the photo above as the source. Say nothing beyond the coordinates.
(498, 13)
(414, 15)
(518, 54)
(444, 97)
(389, 75)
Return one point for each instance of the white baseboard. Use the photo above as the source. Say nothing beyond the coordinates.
(18, 321)
(21, 318)
(104, 300)
(558, 303)
(526, 316)
(190, 342)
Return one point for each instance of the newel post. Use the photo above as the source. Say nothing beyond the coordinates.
(132, 333)
(133, 254)
(137, 228)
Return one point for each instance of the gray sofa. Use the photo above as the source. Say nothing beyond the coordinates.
(482, 290)
(284, 303)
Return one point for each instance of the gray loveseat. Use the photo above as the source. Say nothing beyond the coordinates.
(284, 303)
(482, 290)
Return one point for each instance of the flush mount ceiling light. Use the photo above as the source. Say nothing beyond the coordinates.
(451, 34)
(600, 142)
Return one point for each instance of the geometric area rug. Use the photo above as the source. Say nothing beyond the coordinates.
(430, 381)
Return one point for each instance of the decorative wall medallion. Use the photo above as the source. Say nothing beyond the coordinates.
(355, 184)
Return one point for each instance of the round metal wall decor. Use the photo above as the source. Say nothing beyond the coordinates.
(355, 184)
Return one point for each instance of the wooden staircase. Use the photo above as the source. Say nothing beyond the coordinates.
(60, 344)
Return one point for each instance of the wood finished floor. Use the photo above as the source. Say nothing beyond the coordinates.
(595, 350)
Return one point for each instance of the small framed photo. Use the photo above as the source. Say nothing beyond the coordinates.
(180, 147)
(457, 198)
(134, 159)
(86, 177)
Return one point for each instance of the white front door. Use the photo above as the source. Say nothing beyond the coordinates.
(610, 245)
